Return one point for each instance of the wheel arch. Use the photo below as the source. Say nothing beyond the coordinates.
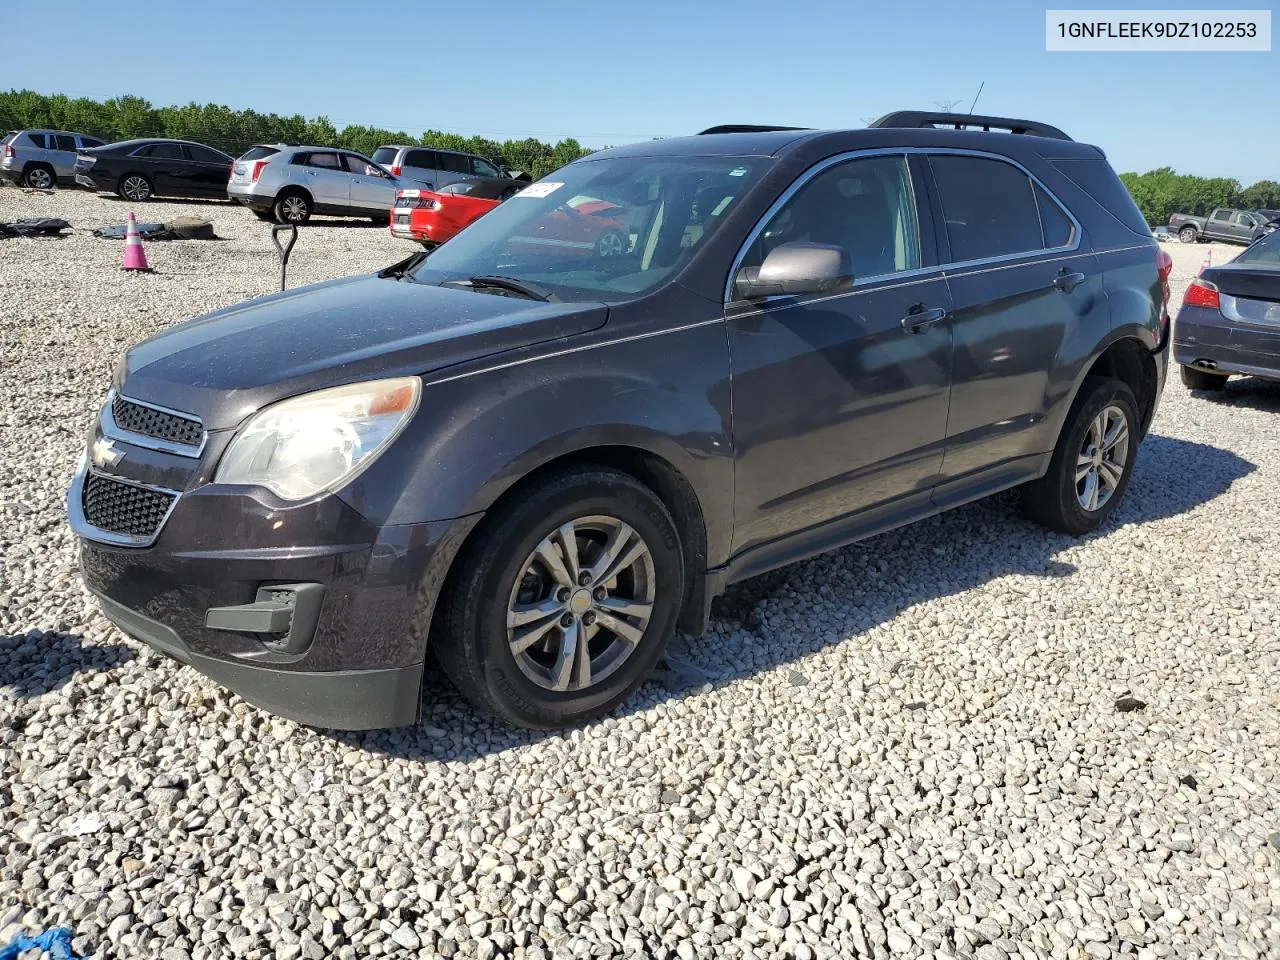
(292, 188)
(1128, 358)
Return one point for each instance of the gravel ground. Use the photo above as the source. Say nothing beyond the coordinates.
(967, 738)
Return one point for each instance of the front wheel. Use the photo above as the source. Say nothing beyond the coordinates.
(1092, 463)
(1194, 379)
(1188, 234)
(564, 603)
(135, 187)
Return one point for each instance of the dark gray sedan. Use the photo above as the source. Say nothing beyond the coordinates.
(1230, 319)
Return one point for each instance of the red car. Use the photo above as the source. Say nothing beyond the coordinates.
(432, 217)
(582, 227)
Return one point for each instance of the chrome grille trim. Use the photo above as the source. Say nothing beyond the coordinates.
(114, 431)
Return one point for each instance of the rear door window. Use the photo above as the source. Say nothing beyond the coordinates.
(164, 151)
(206, 155)
(64, 141)
(425, 159)
(988, 206)
(329, 161)
(455, 163)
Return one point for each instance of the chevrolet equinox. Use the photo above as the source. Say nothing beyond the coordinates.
(539, 460)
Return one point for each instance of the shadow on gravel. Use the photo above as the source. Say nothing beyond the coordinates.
(35, 663)
(962, 549)
(1246, 392)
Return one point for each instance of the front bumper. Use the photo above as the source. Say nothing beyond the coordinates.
(89, 181)
(359, 664)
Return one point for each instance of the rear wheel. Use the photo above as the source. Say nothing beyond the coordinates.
(135, 187)
(1194, 379)
(37, 176)
(564, 603)
(1092, 463)
(292, 206)
(1188, 234)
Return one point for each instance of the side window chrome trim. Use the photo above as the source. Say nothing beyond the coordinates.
(950, 266)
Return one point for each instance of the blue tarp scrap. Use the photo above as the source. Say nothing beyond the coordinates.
(55, 942)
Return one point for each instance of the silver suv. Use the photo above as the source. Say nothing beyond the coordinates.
(435, 168)
(288, 183)
(41, 158)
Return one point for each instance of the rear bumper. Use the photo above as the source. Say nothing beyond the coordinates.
(249, 198)
(1206, 340)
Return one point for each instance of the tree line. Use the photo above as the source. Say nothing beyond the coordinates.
(234, 131)
(1159, 193)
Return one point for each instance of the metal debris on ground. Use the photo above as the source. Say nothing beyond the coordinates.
(183, 228)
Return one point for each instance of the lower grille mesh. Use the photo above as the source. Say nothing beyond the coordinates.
(124, 508)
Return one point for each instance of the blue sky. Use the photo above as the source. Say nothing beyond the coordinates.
(609, 73)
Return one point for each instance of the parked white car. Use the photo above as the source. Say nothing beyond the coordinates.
(288, 183)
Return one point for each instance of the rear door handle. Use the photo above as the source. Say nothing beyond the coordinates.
(918, 319)
(1066, 282)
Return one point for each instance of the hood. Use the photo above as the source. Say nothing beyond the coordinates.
(225, 365)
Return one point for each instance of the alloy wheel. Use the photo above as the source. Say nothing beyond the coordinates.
(135, 188)
(1102, 459)
(40, 178)
(294, 208)
(580, 607)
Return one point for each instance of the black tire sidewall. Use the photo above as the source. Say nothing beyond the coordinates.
(500, 560)
(277, 208)
(1096, 395)
(1194, 379)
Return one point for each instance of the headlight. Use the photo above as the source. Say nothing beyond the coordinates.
(320, 440)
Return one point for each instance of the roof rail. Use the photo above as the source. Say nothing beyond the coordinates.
(746, 128)
(963, 121)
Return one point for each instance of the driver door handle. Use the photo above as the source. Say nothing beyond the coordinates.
(1066, 282)
(919, 319)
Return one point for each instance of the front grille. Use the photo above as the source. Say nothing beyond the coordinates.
(124, 508)
(150, 422)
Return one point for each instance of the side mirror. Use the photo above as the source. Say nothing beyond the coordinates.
(796, 268)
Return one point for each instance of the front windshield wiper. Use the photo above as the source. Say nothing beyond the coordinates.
(520, 287)
(400, 270)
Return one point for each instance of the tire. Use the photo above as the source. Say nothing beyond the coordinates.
(292, 206)
(498, 574)
(39, 177)
(611, 243)
(1188, 234)
(1058, 500)
(266, 215)
(381, 221)
(1194, 379)
(135, 187)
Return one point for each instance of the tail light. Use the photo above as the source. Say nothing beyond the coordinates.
(257, 170)
(9, 151)
(395, 170)
(1202, 293)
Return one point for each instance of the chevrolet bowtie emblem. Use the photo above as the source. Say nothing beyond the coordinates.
(104, 454)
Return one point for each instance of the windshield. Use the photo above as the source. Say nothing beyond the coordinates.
(1266, 250)
(600, 229)
(259, 153)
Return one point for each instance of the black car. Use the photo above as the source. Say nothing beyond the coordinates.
(1229, 322)
(141, 169)
(539, 458)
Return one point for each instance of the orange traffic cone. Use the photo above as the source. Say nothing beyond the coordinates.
(1208, 260)
(134, 258)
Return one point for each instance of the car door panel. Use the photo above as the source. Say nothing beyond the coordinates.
(838, 407)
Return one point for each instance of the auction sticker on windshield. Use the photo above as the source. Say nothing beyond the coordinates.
(536, 190)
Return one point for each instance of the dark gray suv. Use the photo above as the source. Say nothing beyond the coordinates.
(539, 458)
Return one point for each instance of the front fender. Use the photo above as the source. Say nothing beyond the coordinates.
(478, 433)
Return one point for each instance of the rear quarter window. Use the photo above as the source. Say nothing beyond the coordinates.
(38, 139)
(1098, 180)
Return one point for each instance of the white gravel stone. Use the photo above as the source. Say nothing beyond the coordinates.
(911, 744)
